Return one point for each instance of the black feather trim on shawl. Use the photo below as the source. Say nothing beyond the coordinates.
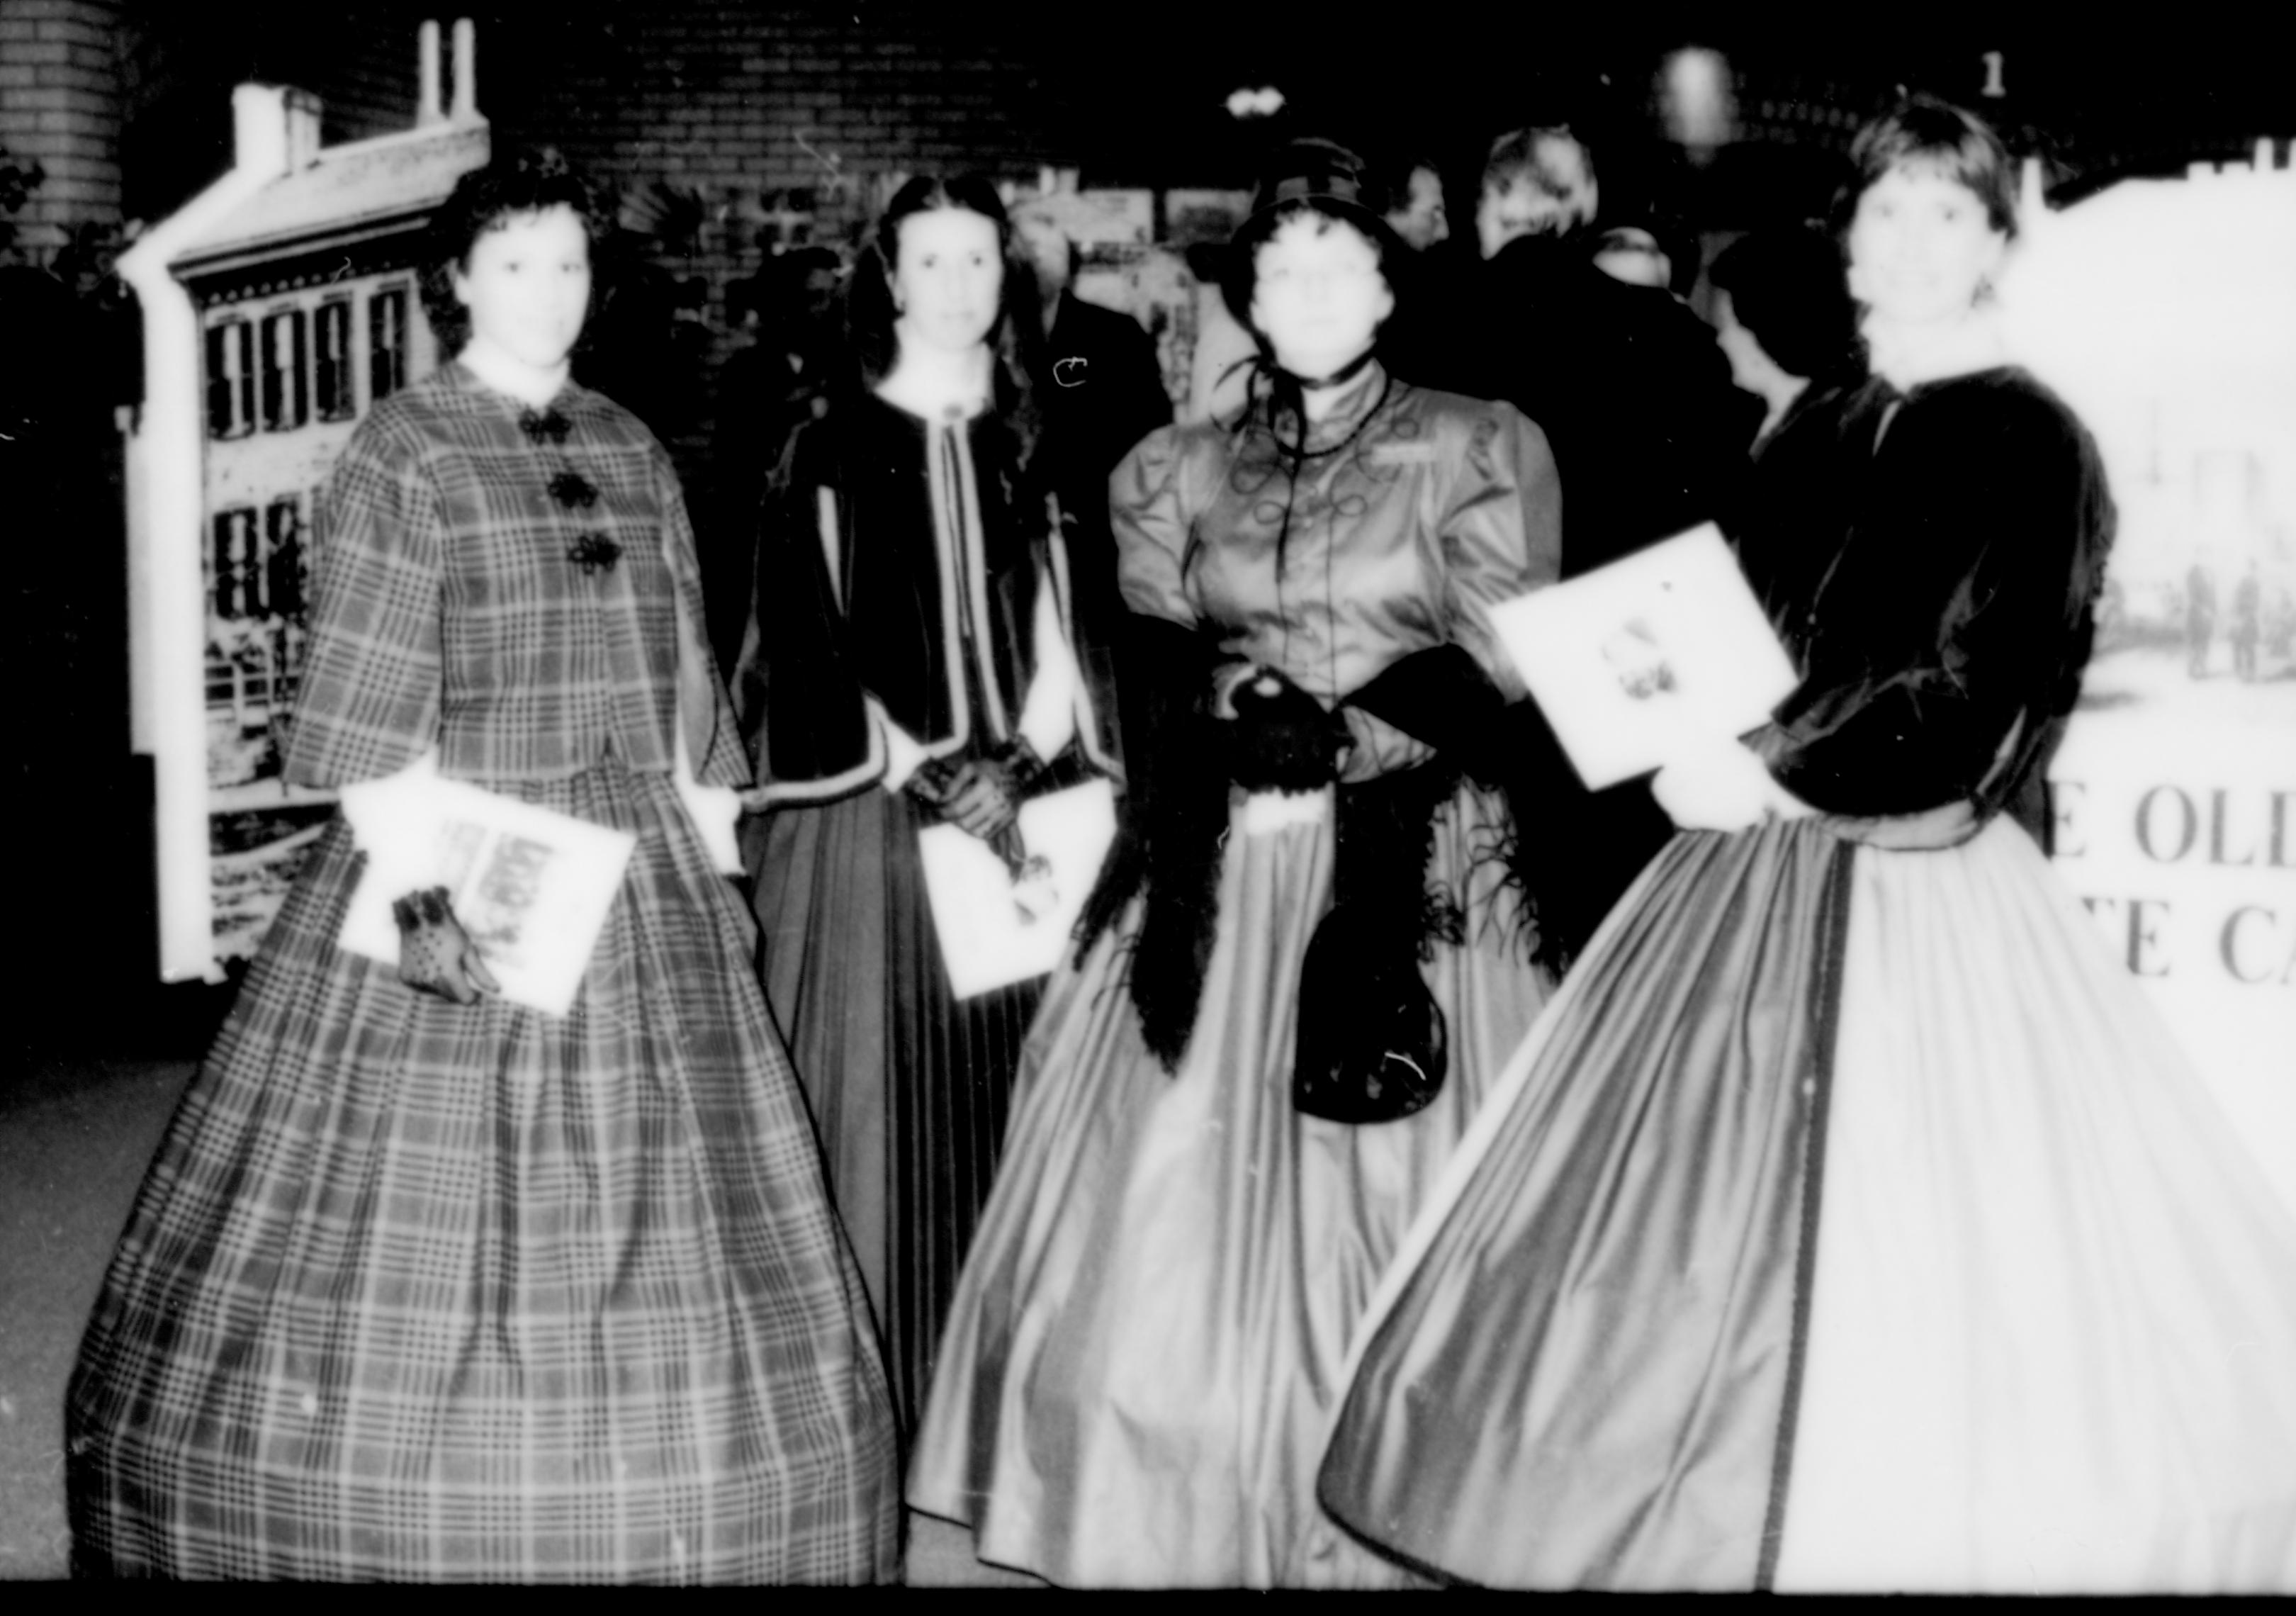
(1173, 816)
(1442, 697)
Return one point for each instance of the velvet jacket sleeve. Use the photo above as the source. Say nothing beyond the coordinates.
(801, 707)
(1949, 634)
(369, 701)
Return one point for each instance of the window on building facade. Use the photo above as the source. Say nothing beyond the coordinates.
(337, 389)
(286, 372)
(238, 571)
(283, 556)
(231, 379)
(386, 342)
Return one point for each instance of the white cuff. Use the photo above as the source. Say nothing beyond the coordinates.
(904, 755)
(714, 809)
(1048, 716)
(387, 821)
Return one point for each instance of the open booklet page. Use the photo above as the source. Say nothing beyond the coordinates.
(998, 926)
(531, 886)
(1658, 652)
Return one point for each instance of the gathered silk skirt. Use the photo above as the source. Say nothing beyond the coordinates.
(1141, 1358)
(1848, 1222)
(909, 1085)
(427, 1292)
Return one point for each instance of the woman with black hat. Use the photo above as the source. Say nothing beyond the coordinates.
(1304, 957)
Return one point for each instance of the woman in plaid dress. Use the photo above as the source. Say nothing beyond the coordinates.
(425, 1285)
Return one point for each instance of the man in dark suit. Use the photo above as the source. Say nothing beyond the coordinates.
(1629, 386)
(1635, 397)
(1102, 391)
(1099, 386)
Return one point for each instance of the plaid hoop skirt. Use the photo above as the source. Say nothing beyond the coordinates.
(428, 1292)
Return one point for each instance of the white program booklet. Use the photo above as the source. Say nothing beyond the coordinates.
(530, 885)
(1658, 652)
(996, 929)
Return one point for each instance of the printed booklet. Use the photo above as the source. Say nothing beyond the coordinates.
(1660, 649)
(530, 885)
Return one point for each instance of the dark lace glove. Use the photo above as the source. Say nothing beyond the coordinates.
(980, 796)
(435, 953)
(930, 781)
(1282, 738)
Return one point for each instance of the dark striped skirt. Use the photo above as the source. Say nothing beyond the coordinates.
(909, 1085)
(427, 1292)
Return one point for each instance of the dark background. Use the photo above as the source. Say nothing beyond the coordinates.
(701, 96)
(1133, 94)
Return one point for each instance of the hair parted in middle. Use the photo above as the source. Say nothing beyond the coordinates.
(1016, 337)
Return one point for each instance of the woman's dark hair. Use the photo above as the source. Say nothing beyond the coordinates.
(1926, 132)
(1787, 287)
(1014, 338)
(509, 187)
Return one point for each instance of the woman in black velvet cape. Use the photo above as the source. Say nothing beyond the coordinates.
(910, 662)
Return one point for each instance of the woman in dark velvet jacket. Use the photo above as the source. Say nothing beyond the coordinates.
(1849, 1221)
(910, 660)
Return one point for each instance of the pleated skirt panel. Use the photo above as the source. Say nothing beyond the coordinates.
(1577, 1371)
(2053, 1345)
(417, 1291)
(910, 1087)
(1143, 1352)
(1849, 1222)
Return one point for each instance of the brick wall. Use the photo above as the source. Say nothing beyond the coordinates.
(734, 127)
(730, 127)
(732, 130)
(60, 107)
(762, 113)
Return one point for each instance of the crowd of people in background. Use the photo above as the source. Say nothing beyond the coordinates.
(1419, 1168)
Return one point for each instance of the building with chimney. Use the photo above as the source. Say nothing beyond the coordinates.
(278, 305)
